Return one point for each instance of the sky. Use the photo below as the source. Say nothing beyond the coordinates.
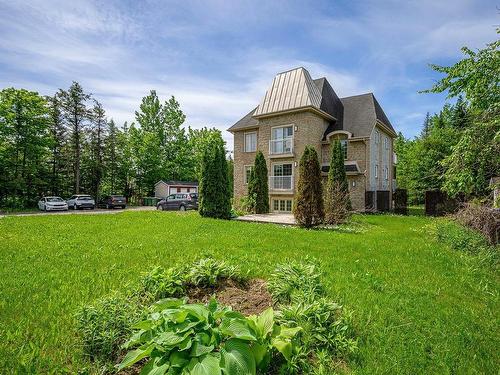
(219, 57)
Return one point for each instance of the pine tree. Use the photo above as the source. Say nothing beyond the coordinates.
(337, 202)
(214, 198)
(427, 125)
(76, 114)
(258, 185)
(309, 210)
(97, 144)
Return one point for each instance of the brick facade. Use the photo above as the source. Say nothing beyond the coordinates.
(308, 129)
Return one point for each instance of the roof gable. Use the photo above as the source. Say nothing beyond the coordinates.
(290, 90)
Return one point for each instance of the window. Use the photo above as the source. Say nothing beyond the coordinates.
(343, 143)
(178, 189)
(281, 178)
(188, 190)
(376, 171)
(283, 205)
(251, 142)
(386, 143)
(248, 173)
(386, 173)
(282, 132)
(377, 137)
(281, 140)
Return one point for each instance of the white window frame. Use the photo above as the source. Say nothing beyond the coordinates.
(245, 167)
(278, 201)
(386, 142)
(377, 137)
(272, 175)
(376, 171)
(280, 127)
(245, 146)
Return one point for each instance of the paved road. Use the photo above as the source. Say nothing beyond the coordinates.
(80, 212)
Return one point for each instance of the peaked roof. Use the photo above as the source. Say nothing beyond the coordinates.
(295, 89)
(289, 90)
(181, 183)
(360, 114)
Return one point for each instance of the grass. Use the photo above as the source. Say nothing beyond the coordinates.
(419, 307)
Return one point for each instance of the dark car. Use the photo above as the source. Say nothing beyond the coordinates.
(179, 201)
(112, 201)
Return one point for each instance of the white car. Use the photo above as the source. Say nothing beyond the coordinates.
(77, 202)
(52, 204)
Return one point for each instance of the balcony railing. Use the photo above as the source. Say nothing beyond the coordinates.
(281, 182)
(281, 146)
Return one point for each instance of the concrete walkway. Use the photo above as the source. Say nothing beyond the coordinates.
(275, 218)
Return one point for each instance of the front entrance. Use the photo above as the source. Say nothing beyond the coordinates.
(282, 205)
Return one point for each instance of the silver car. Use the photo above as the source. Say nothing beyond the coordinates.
(78, 202)
(52, 204)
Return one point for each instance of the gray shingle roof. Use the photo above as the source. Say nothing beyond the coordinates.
(348, 168)
(246, 122)
(361, 113)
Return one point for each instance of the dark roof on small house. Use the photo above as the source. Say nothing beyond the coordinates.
(179, 183)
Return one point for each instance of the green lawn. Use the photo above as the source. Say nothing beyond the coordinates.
(418, 306)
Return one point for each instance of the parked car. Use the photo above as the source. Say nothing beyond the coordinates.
(179, 201)
(77, 202)
(52, 204)
(112, 201)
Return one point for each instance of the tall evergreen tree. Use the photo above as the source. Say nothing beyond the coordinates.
(258, 185)
(337, 201)
(75, 112)
(214, 198)
(427, 124)
(97, 143)
(309, 209)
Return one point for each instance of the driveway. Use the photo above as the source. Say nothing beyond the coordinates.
(81, 212)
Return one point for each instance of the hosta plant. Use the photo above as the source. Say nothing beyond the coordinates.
(180, 338)
(295, 280)
(209, 271)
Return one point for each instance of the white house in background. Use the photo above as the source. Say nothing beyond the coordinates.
(165, 188)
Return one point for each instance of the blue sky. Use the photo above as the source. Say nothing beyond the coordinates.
(218, 58)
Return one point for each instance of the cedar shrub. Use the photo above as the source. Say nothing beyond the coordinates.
(308, 210)
(337, 202)
(215, 198)
(258, 186)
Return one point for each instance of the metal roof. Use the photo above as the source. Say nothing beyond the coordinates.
(289, 90)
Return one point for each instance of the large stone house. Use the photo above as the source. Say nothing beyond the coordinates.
(297, 111)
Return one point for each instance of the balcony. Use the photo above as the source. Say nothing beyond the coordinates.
(281, 147)
(281, 183)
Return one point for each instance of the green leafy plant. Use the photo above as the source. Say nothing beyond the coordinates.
(293, 279)
(325, 325)
(180, 338)
(163, 283)
(209, 271)
(104, 326)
